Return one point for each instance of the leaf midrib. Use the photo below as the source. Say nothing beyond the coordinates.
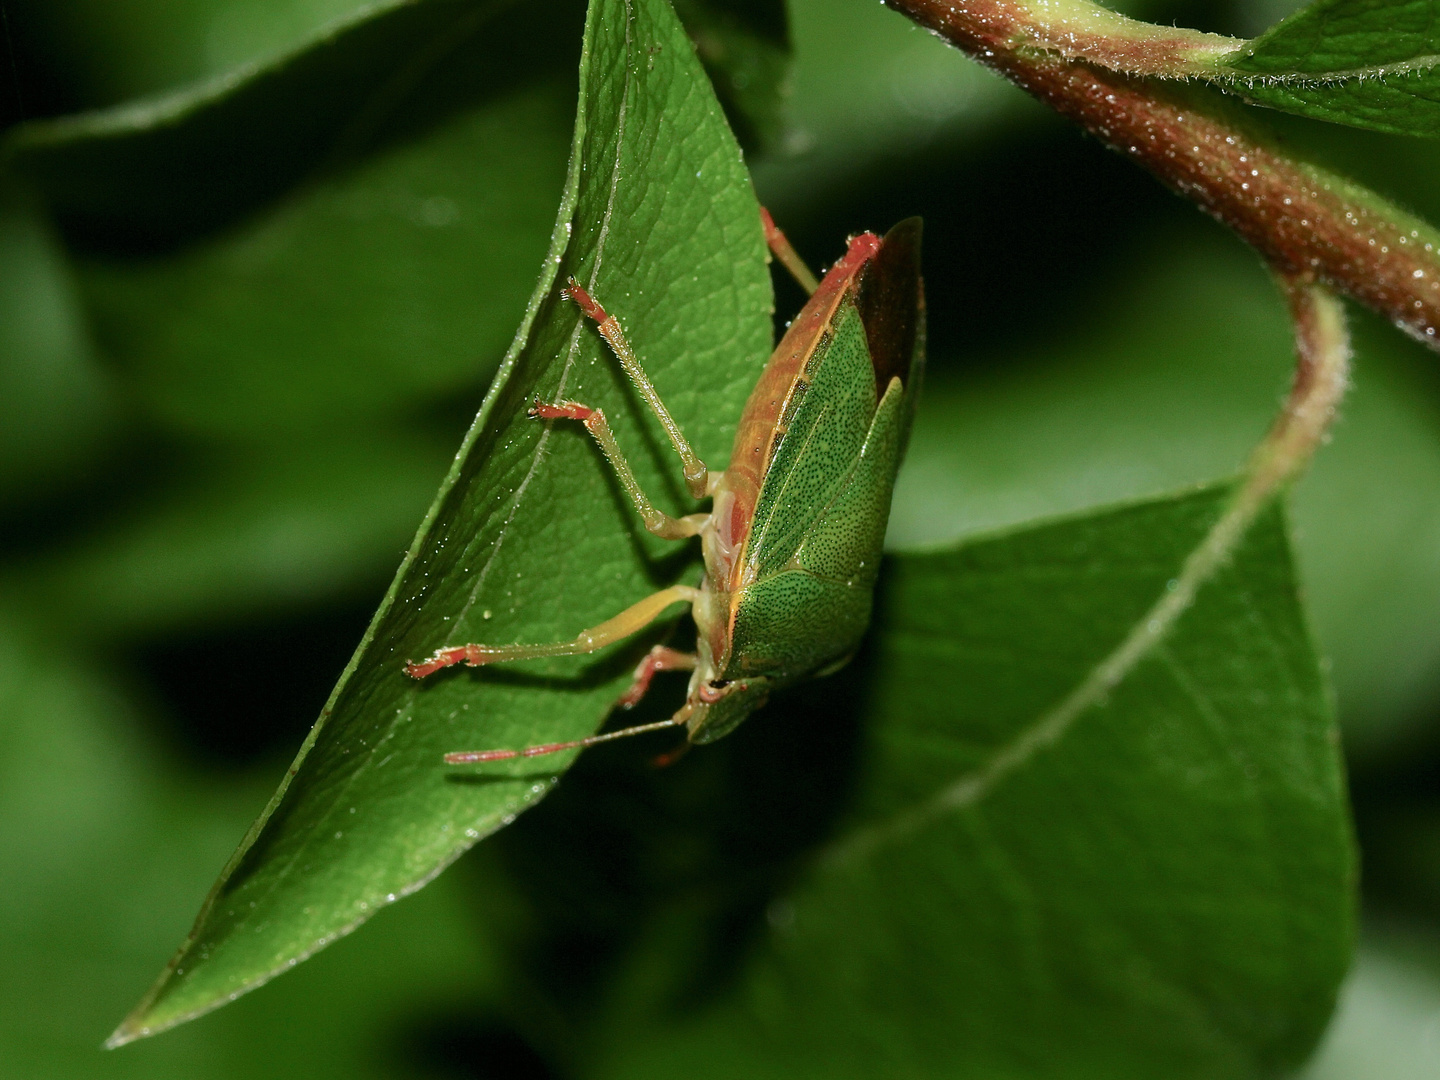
(1336, 77)
(1113, 670)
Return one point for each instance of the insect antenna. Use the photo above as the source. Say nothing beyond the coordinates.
(468, 757)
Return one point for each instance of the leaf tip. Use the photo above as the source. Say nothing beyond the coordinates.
(140, 1023)
(129, 1030)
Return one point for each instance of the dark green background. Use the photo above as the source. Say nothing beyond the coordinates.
(230, 380)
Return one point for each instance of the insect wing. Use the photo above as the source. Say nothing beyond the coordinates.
(876, 335)
(844, 541)
(891, 303)
(814, 611)
(823, 428)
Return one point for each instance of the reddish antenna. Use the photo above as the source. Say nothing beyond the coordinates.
(470, 757)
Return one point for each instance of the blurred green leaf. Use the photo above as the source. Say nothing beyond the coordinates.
(528, 539)
(163, 169)
(347, 229)
(871, 85)
(237, 534)
(90, 809)
(54, 401)
(745, 47)
(112, 50)
(1161, 886)
(1370, 63)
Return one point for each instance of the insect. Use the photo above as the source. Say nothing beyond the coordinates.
(793, 540)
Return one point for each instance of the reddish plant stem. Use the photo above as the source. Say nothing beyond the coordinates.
(1081, 30)
(1322, 375)
(1309, 225)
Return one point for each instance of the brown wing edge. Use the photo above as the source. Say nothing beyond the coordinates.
(892, 307)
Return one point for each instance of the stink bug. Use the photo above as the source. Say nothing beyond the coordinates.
(792, 542)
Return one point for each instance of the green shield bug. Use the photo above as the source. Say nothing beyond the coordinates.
(792, 542)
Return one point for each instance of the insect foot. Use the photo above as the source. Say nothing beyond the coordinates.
(561, 410)
(660, 658)
(474, 655)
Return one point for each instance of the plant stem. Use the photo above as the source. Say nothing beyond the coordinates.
(1077, 30)
(1310, 225)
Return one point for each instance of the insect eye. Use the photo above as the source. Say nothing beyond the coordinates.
(713, 691)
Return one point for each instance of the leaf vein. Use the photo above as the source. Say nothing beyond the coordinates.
(1050, 727)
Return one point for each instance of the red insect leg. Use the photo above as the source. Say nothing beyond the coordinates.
(660, 658)
(561, 410)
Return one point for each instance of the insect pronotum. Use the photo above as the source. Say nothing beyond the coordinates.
(792, 542)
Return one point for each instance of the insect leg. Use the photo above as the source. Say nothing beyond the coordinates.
(660, 658)
(632, 619)
(787, 255)
(658, 522)
(694, 469)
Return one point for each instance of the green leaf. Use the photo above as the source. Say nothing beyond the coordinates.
(528, 539)
(1160, 884)
(354, 220)
(162, 169)
(1169, 378)
(1368, 63)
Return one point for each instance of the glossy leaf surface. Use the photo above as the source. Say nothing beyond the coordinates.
(528, 539)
